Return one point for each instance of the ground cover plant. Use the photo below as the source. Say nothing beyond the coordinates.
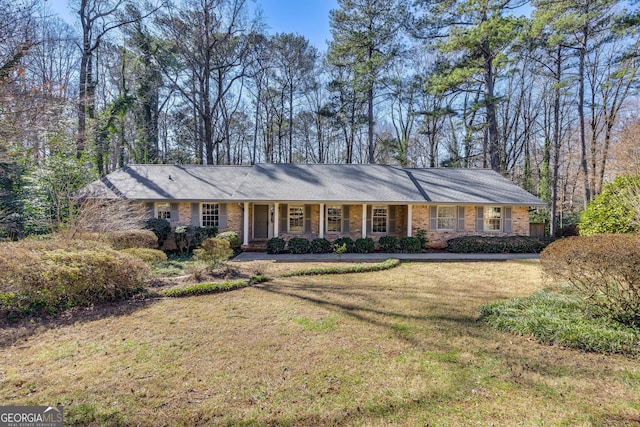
(395, 347)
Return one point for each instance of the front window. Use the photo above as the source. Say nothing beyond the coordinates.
(163, 210)
(334, 219)
(493, 219)
(210, 214)
(296, 219)
(446, 217)
(379, 219)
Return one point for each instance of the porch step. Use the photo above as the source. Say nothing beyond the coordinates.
(255, 246)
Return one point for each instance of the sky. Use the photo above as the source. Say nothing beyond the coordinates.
(309, 18)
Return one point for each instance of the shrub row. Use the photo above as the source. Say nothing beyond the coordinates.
(387, 244)
(38, 279)
(603, 269)
(211, 288)
(493, 245)
(362, 268)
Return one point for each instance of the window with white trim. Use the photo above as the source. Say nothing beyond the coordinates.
(493, 218)
(379, 216)
(296, 218)
(446, 218)
(334, 219)
(209, 214)
(163, 210)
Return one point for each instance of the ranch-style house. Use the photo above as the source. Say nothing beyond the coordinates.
(320, 200)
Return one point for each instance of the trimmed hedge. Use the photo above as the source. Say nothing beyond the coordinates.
(410, 245)
(320, 246)
(388, 244)
(275, 245)
(603, 268)
(364, 246)
(48, 281)
(150, 256)
(298, 245)
(350, 245)
(212, 288)
(362, 268)
(493, 245)
(125, 239)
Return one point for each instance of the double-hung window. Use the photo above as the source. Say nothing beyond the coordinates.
(210, 214)
(493, 218)
(446, 218)
(334, 219)
(163, 210)
(296, 218)
(379, 216)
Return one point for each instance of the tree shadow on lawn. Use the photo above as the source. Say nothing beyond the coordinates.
(360, 306)
(13, 331)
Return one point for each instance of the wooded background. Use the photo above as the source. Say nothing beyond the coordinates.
(544, 92)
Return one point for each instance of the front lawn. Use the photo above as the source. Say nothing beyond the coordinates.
(397, 347)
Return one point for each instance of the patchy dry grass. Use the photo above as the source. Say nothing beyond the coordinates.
(397, 347)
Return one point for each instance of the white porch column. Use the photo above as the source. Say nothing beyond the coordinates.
(245, 224)
(276, 219)
(321, 232)
(409, 219)
(364, 221)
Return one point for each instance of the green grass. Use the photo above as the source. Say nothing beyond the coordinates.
(362, 268)
(563, 319)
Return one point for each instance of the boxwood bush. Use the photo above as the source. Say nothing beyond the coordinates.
(492, 245)
(214, 251)
(350, 245)
(275, 245)
(364, 245)
(410, 245)
(388, 244)
(320, 246)
(298, 245)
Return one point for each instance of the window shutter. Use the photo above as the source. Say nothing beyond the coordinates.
(369, 213)
(479, 218)
(151, 211)
(195, 214)
(345, 218)
(174, 212)
(222, 216)
(460, 218)
(507, 220)
(433, 218)
(284, 219)
(392, 219)
(307, 218)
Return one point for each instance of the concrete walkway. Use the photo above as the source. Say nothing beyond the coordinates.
(379, 257)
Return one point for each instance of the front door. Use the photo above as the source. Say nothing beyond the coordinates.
(260, 221)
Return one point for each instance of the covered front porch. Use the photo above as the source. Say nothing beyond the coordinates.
(263, 221)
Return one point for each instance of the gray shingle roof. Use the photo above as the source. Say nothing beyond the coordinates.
(310, 183)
